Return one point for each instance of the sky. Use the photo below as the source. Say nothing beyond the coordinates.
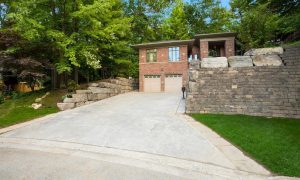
(225, 3)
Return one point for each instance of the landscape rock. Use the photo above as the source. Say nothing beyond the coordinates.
(102, 96)
(94, 84)
(78, 104)
(88, 102)
(69, 100)
(97, 90)
(80, 97)
(195, 64)
(267, 60)
(45, 95)
(36, 105)
(92, 97)
(104, 84)
(65, 106)
(38, 100)
(240, 61)
(214, 62)
(83, 91)
(264, 51)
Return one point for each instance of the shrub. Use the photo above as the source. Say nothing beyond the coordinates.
(72, 86)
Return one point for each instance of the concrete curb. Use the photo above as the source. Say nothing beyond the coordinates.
(166, 164)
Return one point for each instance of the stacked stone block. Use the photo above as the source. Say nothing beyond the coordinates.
(260, 90)
(98, 91)
(253, 57)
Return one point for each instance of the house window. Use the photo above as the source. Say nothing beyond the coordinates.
(151, 55)
(174, 54)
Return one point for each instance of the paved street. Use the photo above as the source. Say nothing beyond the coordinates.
(129, 136)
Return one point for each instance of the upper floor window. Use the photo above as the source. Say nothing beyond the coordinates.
(174, 54)
(151, 55)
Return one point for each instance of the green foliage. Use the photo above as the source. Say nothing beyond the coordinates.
(264, 23)
(72, 86)
(147, 17)
(175, 27)
(92, 34)
(258, 27)
(72, 33)
(15, 95)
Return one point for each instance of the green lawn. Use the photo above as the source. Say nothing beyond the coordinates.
(20, 110)
(273, 142)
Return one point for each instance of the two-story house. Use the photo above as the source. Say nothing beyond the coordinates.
(163, 65)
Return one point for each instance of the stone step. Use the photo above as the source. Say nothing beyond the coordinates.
(97, 90)
(100, 90)
(65, 106)
(83, 91)
(80, 97)
(93, 84)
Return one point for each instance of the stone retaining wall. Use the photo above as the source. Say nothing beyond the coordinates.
(98, 91)
(259, 90)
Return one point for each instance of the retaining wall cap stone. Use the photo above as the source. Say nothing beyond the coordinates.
(214, 62)
(264, 51)
(240, 61)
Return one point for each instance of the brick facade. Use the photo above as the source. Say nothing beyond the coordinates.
(163, 67)
(229, 45)
(203, 49)
(262, 91)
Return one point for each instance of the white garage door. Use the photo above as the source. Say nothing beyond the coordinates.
(173, 83)
(152, 83)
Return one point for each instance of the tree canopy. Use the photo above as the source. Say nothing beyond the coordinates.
(87, 36)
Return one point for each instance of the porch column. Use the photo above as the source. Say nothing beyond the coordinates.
(203, 49)
(229, 47)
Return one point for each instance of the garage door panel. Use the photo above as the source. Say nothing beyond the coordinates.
(152, 83)
(173, 83)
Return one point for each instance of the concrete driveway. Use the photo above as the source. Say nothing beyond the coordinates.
(129, 136)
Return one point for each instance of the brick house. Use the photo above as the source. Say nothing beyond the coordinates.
(163, 65)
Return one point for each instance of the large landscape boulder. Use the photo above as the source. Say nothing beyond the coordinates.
(240, 61)
(264, 51)
(214, 62)
(65, 106)
(92, 97)
(80, 97)
(36, 105)
(69, 100)
(267, 60)
(102, 96)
